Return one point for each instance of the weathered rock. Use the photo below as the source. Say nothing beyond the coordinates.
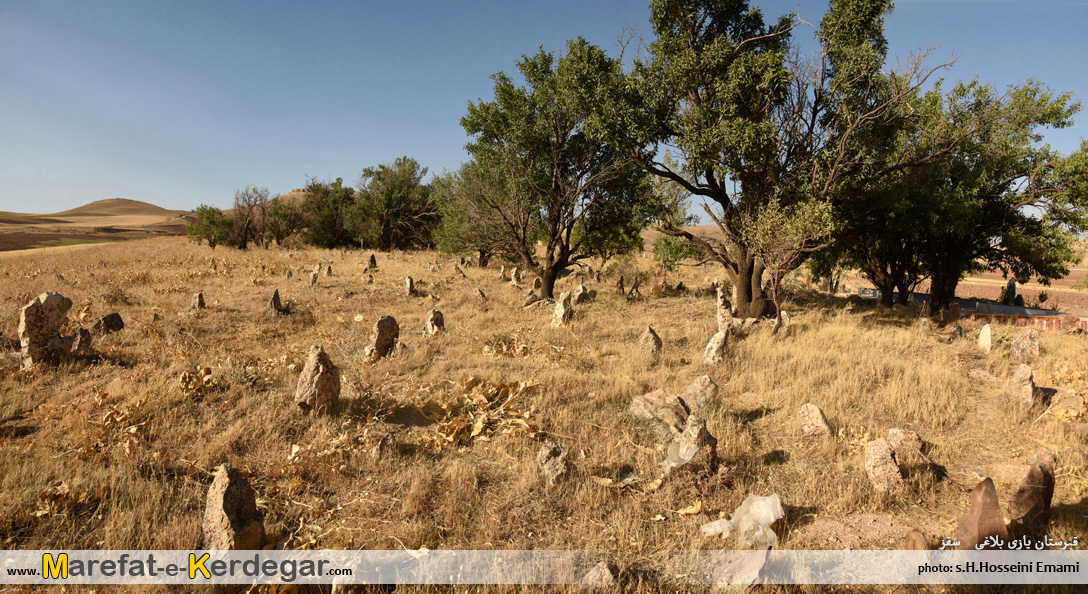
(111, 322)
(530, 298)
(694, 447)
(904, 442)
(537, 283)
(714, 353)
(1021, 387)
(1025, 348)
(274, 304)
(1010, 292)
(813, 421)
(81, 342)
(480, 295)
(583, 295)
(40, 322)
(231, 519)
(597, 276)
(634, 293)
(553, 463)
(666, 412)
(198, 301)
(328, 270)
(563, 310)
(984, 340)
(659, 283)
(700, 393)
(319, 383)
(1031, 501)
(915, 541)
(502, 272)
(619, 286)
(313, 278)
(434, 324)
(781, 323)
(983, 518)
(725, 310)
(953, 313)
(383, 338)
(599, 577)
(882, 467)
(373, 263)
(409, 286)
(650, 342)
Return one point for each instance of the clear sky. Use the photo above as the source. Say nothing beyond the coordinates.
(182, 103)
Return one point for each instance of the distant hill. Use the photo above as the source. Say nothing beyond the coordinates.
(111, 219)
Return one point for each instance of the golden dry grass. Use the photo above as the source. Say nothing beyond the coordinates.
(133, 448)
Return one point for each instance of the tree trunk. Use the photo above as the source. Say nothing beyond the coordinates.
(482, 258)
(751, 301)
(904, 292)
(942, 289)
(547, 281)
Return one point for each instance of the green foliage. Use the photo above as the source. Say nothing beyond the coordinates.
(481, 207)
(781, 237)
(394, 208)
(285, 219)
(573, 191)
(211, 225)
(331, 212)
(669, 251)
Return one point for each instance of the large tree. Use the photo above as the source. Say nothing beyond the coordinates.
(753, 120)
(572, 191)
(395, 207)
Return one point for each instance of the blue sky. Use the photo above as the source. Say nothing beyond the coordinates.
(181, 103)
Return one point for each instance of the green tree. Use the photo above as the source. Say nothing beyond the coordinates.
(475, 204)
(328, 207)
(249, 217)
(285, 218)
(210, 225)
(753, 120)
(577, 194)
(395, 207)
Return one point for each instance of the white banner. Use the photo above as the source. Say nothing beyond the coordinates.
(539, 567)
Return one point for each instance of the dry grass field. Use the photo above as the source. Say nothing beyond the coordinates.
(114, 219)
(115, 453)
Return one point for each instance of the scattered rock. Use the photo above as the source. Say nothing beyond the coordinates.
(700, 393)
(781, 323)
(409, 286)
(274, 305)
(984, 340)
(231, 520)
(583, 295)
(882, 467)
(725, 310)
(667, 413)
(552, 459)
(383, 338)
(599, 577)
(650, 342)
(530, 299)
(1025, 348)
(1010, 293)
(319, 383)
(108, 323)
(1031, 501)
(563, 310)
(904, 441)
(694, 447)
(619, 286)
(434, 324)
(813, 421)
(480, 295)
(515, 276)
(1021, 387)
(714, 353)
(40, 322)
(537, 283)
(373, 263)
(915, 541)
(198, 301)
(313, 278)
(597, 276)
(983, 519)
(502, 272)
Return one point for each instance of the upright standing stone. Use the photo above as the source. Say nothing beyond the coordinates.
(1010, 292)
(650, 342)
(563, 310)
(198, 301)
(953, 312)
(373, 263)
(813, 421)
(1021, 386)
(1031, 501)
(984, 340)
(700, 393)
(1025, 348)
(515, 276)
(781, 323)
(409, 286)
(274, 305)
(725, 310)
(659, 283)
(983, 519)
(434, 323)
(231, 519)
(328, 270)
(40, 322)
(480, 295)
(502, 272)
(714, 353)
(319, 383)
(383, 338)
(313, 278)
(537, 284)
(597, 276)
(619, 286)
(882, 467)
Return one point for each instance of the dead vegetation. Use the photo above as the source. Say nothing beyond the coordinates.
(436, 446)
